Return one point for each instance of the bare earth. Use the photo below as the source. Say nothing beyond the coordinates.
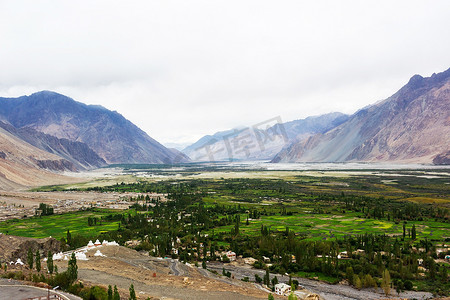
(123, 267)
(175, 280)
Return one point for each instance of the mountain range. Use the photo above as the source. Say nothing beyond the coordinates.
(411, 126)
(112, 137)
(47, 132)
(261, 141)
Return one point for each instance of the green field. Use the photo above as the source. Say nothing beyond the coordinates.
(57, 225)
(325, 226)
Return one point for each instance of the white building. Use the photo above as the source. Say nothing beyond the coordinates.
(231, 255)
(282, 289)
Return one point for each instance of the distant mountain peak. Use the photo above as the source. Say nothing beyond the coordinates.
(415, 81)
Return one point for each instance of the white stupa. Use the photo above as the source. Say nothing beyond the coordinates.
(98, 253)
(80, 256)
(58, 256)
(90, 244)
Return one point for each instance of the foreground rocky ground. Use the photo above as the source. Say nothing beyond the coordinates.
(153, 277)
(170, 279)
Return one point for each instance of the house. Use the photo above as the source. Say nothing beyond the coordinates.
(447, 258)
(359, 252)
(231, 255)
(420, 261)
(282, 289)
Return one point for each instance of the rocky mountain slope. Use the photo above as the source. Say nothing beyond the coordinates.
(413, 125)
(77, 153)
(261, 141)
(109, 134)
(22, 164)
(14, 247)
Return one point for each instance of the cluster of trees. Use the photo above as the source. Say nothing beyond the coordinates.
(54, 278)
(34, 260)
(44, 210)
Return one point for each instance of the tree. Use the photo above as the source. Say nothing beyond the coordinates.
(69, 238)
(408, 285)
(386, 282)
(432, 268)
(267, 278)
(204, 264)
(357, 282)
(30, 258)
(413, 232)
(72, 268)
(258, 279)
(369, 281)
(132, 293)
(116, 295)
(38, 261)
(110, 292)
(270, 297)
(292, 296)
(274, 281)
(50, 262)
(349, 274)
(444, 274)
(399, 287)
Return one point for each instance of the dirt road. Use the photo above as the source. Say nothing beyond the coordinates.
(325, 290)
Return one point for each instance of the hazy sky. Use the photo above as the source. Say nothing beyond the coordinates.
(183, 69)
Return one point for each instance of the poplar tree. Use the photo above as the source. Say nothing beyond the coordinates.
(50, 262)
(38, 261)
(386, 282)
(30, 258)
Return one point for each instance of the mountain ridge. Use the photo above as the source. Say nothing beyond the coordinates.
(413, 125)
(22, 164)
(78, 153)
(257, 142)
(114, 138)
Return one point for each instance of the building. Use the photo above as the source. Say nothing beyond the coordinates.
(343, 254)
(231, 255)
(282, 289)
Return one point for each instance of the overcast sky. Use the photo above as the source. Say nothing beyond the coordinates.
(183, 69)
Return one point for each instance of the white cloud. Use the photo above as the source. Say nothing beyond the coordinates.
(182, 69)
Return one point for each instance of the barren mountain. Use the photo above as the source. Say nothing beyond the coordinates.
(109, 134)
(413, 125)
(260, 141)
(22, 164)
(78, 153)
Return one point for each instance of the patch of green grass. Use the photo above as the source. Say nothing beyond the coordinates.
(57, 225)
